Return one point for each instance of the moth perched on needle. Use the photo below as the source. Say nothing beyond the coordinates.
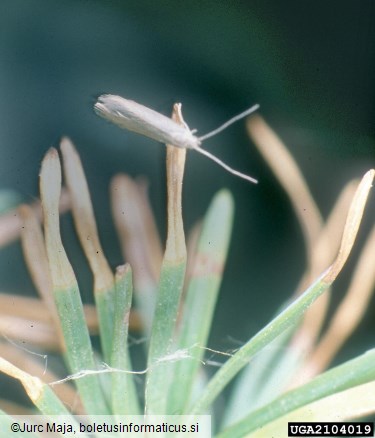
(134, 117)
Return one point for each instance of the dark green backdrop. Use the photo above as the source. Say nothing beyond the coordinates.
(310, 65)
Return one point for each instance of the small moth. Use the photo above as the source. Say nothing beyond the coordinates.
(137, 118)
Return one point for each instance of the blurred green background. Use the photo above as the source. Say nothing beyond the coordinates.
(310, 66)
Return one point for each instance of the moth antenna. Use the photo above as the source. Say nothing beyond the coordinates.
(222, 164)
(229, 122)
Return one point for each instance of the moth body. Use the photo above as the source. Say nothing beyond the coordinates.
(132, 116)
